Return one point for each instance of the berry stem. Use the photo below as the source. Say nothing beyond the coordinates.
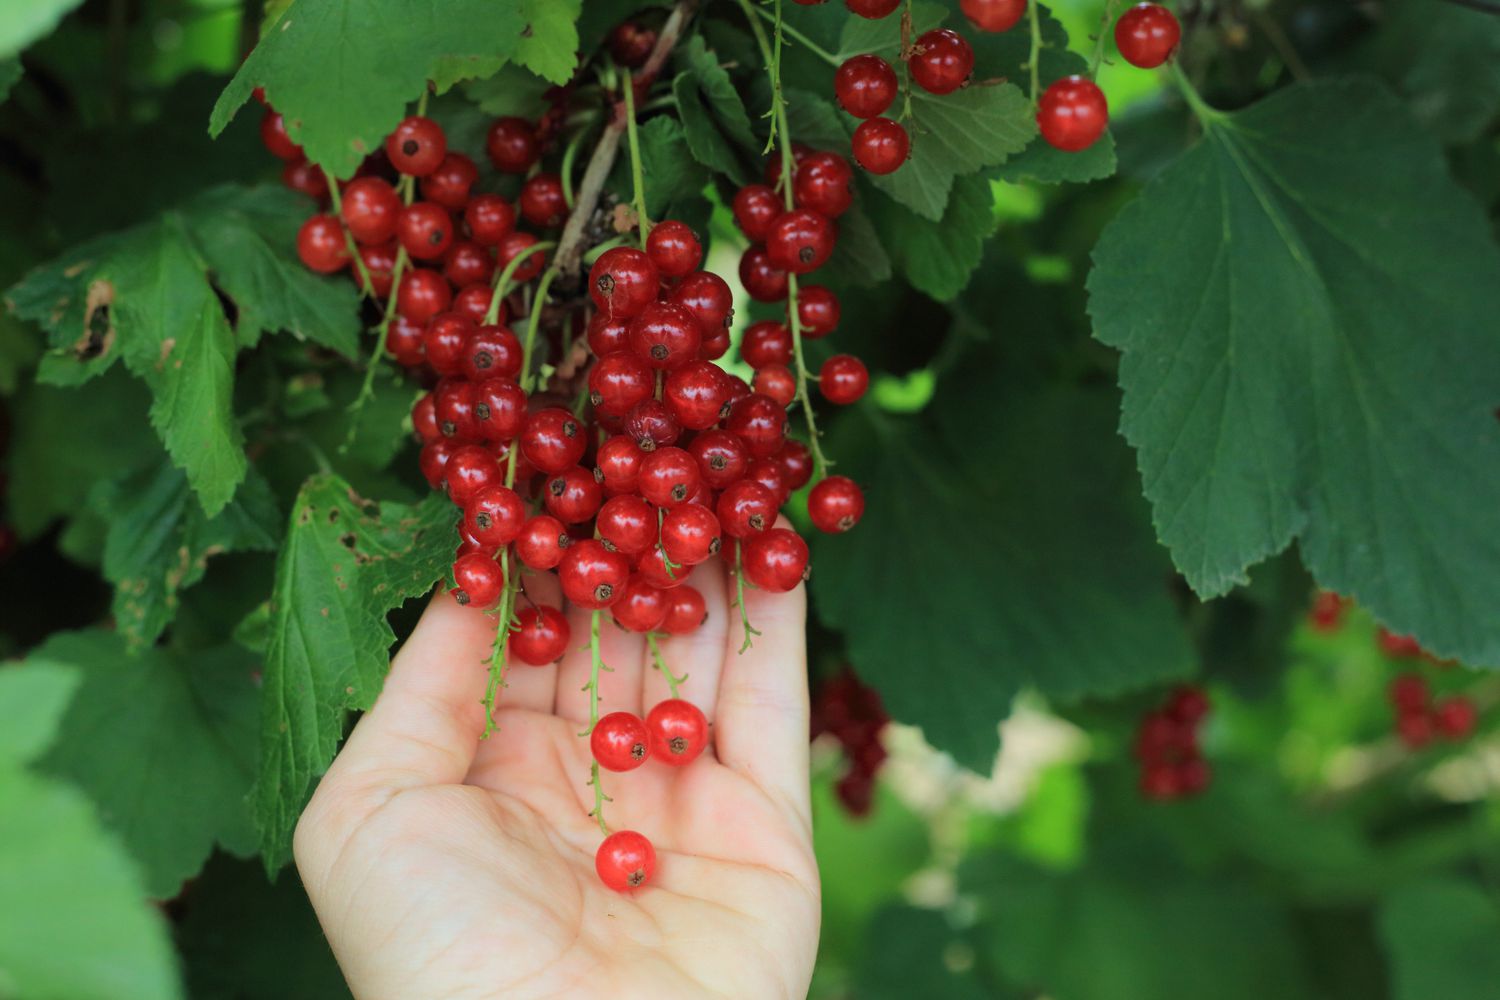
(739, 600)
(503, 279)
(807, 43)
(906, 53)
(335, 201)
(596, 667)
(1107, 19)
(1034, 63)
(496, 678)
(1207, 116)
(367, 387)
(637, 174)
(661, 664)
(533, 320)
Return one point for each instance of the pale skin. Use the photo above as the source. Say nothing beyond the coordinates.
(443, 865)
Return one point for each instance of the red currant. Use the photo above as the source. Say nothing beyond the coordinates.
(775, 560)
(422, 294)
(618, 381)
(1188, 705)
(416, 146)
(274, 135)
(618, 464)
(1409, 693)
(942, 62)
(513, 246)
(433, 461)
(755, 207)
(619, 742)
(628, 523)
(865, 86)
(626, 860)
(553, 439)
(800, 241)
(822, 184)
(686, 611)
(370, 207)
(696, 394)
(796, 464)
(494, 515)
(652, 424)
(767, 343)
(708, 298)
(690, 534)
(425, 230)
(478, 580)
(631, 44)
(654, 570)
(1147, 35)
(1415, 729)
(721, 457)
(304, 178)
(450, 183)
(475, 301)
(881, 145)
(760, 422)
(623, 282)
(444, 340)
(321, 244)
(836, 504)
(380, 264)
(490, 218)
(470, 470)
(1072, 114)
(540, 635)
(776, 381)
(668, 477)
(679, 732)
(745, 508)
(1454, 718)
(817, 311)
(499, 408)
(573, 495)
(424, 418)
(490, 351)
(606, 335)
(993, 15)
(673, 248)
(593, 576)
(665, 335)
(467, 264)
(873, 9)
(542, 201)
(763, 280)
(643, 607)
(541, 541)
(512, 145)
(768, 472)
(843, 379)
(454, 405)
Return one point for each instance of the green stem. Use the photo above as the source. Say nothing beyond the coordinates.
(1036, 48)
(1104, 23)
(503, 279)
(1206, 115)
(532, 322)
(805, 42)
(496, 679)
(596, 667)
(637, 174)
(366, 286)
(739, 585)
(598, 249)
(661, 664)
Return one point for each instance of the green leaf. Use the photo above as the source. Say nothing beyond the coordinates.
(164, 745)
(907, 954)
(19, 350)
(1040, 509)
(10, 74)
(73, 922)
(549, 42)
(714, 118)
(1440, 936)
(341, 109)
(511, 91)
(23, 23)
(938, 258)
(1305, 305)
(675, 182)
(160, 541)
(859, 257)
(345, 563)
(33, 697)
(882, 36)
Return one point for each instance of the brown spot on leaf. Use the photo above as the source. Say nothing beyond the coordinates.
(98, 327)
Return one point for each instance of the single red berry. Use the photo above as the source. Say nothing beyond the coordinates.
(444, 340)
(619, 742)
(434, 458)
(836, 504)
(763, 280)
(796, 464)
(424, 418)
(1072, 114)
(475, 301)
(686, 611)
(425, 230)
(652, 567)
(478, 580)
(768, 472)
(865, 86)
(467, 264)
(993, 15)
(652, 424)
(490, 218)
(942, 61)
(767, 343)
(631, 44)
(818, 311)
(542, 201)
(512, 145)
(776, 381)
(1159, 782)
(708, 298)
(665, 335)
(454, 405)
(403, 340)
(1453, 718)
(422, 294)
(1147, 35)
(491, 351)
(760, 422)
(499, 408)
(274, 135)
(628, 523)
(321, 244)
(304, 178)
(617, 465)
(690, 534)
(642, 608)
(370, 207)
(626, 860)
(540, 635)
(606, 335)
(623, 282)
(470, 470)
(515, 244)
(856, 792)
(592, 575)
(416, 146)
(738, 388)
(1188, 704)
(800, 241)
(1327, 611)
(573, 495)
(553, 439)
(880, 145)
(668, 477)
(380, 265)
(823, 184)
(1414, 729)
(450, 183)
(755, 207)
(679, 732)
(618, 381)
(745, 508)
(873, 9)
(1409, 693)
(696, 394)
(721, 455)
(843, 379)
(1401, 647)
(674, 248)
(714, 346)
(494, 515)
(775, 560)
(541, 541)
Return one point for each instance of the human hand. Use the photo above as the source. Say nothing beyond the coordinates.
(444, 866)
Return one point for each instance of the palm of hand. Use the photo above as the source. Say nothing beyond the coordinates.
(440, 876)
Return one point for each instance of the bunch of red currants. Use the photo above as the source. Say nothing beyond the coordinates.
(853, 714)
(1166, 744)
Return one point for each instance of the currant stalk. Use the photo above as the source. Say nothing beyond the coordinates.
(808, 43)
(1207, 116)
(661, 664)
(1035, 21)
(637, 174)
(596, 667)
(739, 584)
(1107, 19)
(335, 200)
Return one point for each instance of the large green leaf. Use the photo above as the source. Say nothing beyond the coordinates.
(1440, 938)
(938, 257)
(344, 564)
(1306, 307)
(33, 697)
(163, 743)
(23, 23)
(340, 109)
(714, 120)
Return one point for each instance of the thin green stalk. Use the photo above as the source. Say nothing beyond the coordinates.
(1207, 116)
(1034, 64)
(637, 174)
(804, 41)
(366, 286)
(661, 664)
(1105, 21)
(503, 279)
(739, 600)
(596, 667)
(496, 679)
(532, 322)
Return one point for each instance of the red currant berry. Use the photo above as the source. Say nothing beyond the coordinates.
(669, 476)
(274, 135)
(422, 294)
(494, 515)
(642, 608)
(631, 44)
(553, 439)
(755, 207)
(686, 611)
(873, 9)
(467, 264)
(690, 534)
(942, 62)
(542, 201)
(1399, 646)
(800, 241)
(1072, 114)
(775, 560)
(433, 461)
(370, 207)
(417, 146)
(606, 335)
(478, 579)
(490, 218)
(1159, 782)
(880, 145)
(768, 472)
(618, 465)
(721, 457)
(836, 504)
(1454, 718)
(475, 301)
(708, 298)
(843, 379)
(454, 405)
(470, 470)
(760, 422)
(424, 418)
(1409, 693)
(674, 248)
(499, 408)
(380, 265)
(403, 339)
(993, 15)
(767, 343)
(628, 523)
(746, 508)
(593, 576)
(653, 568)
(865, 86)
(764, 281)
(679, 732)
(796, 464)
(541, 542)
(514, 245)
(425, 230)
(492, 351)
(696, 394)
(304, 178)
(1414, 729)
(540, 635)
(1193, 776)
(623, 282)
(618, 381)
(1147, 35)
(1188, 705)
(450, 183)
(321, 244)
(512, 145)
(626, 860)
(776, 381)
(619, 742)
(818, 311)
(652, 425)
(665, 335)
(444, 340)
(714, 346)
(573, 495)
(822, 184)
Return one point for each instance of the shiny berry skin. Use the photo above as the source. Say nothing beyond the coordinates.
(865, 86)
(880, 145)
(686, 611)
(593, 576)
(553, 439)
(836, 504)
(843, 379)
(652, 425)
(422, 294)
(541, 542)
(1408, 692)
(573, 495)
(800, 241)
(674, 248)
(416, 146)
(605, 335)
(470, 470)
(321, 245)
(494, 515)
(380, 264)
(467, 264)
(993, 15)
(513, 246)
(370, 207)
(619, 742)
(669, 476)
(631, 44)
(450, 183)
(618, 381)
(626, 860)
(475, 301)
(767, 343)
(454, 408)
(653, 569)
(628, 523)
(478, 580)
(746, 508)
(763, 280)
(708, 297)
(818, 311)
(304, 178)
(433, 460)
(714, 346)
(679, 732)
(776, 381)
(690, 534)
(1072, 114)
(665, 335)
(775, 560)
(617, 465)
(512, 145)
(1453, 718)
(796, 464)
(623, 282)
(760, 422)
(542, 202)
(943, 61)
(696, 394)
(540, 635)
(499, 408)
(425, 230)
(768, 472)
(642, 608)
(273, 134)
(822, 184)
(424, 418)
(1147, 35)
(490, 218)
(873, 9)
(755, 207)
(491, 351)
(444, 340)
(722, 457)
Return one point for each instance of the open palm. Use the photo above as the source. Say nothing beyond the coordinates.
(443, 865)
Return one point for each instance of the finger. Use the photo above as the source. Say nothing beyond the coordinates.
(526, 687)
(762, 716)
(622, 652)
(700, 654)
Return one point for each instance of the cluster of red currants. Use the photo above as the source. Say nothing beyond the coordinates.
(1328, 611)
(1166, 744)
(1420, 719)
(853, 714)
